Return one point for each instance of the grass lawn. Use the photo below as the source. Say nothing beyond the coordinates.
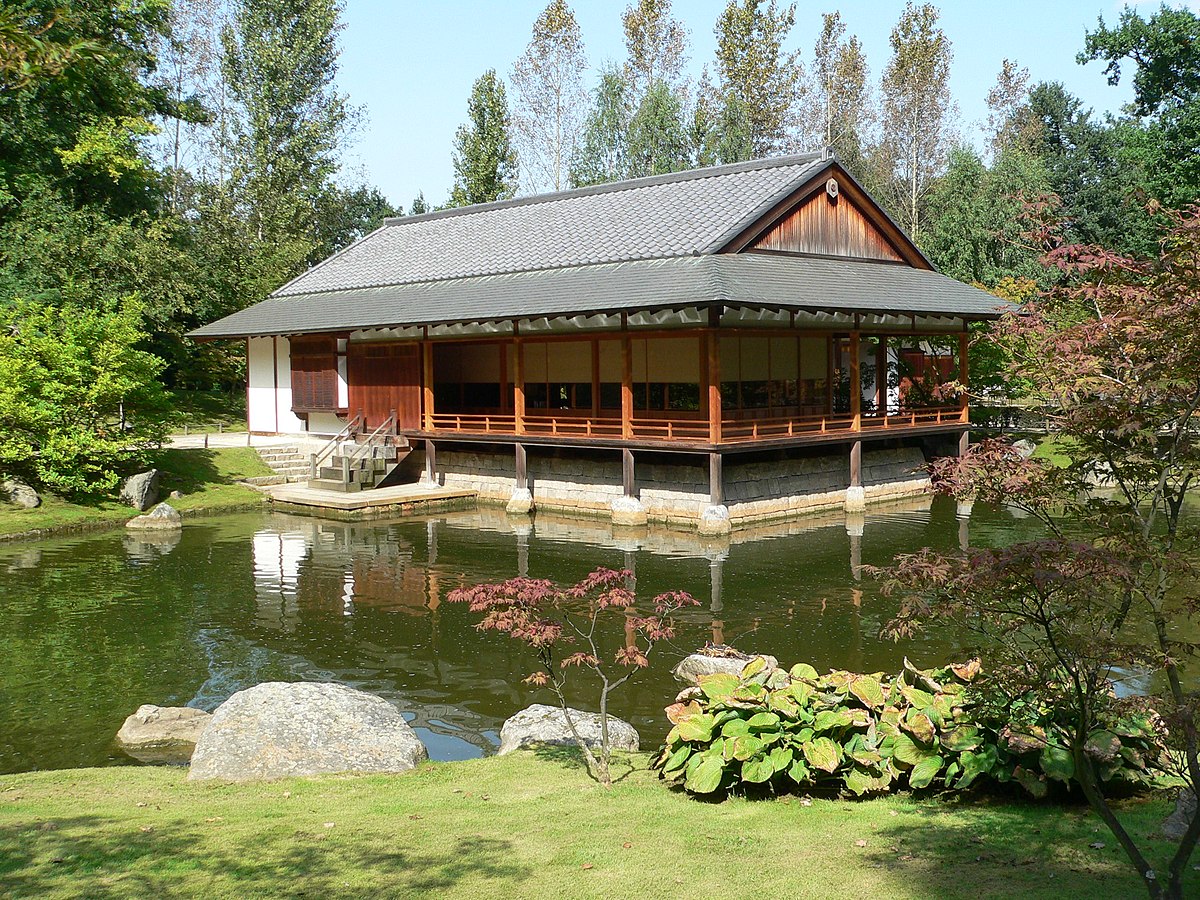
(204, 411)
(206, 478)
(526, 826)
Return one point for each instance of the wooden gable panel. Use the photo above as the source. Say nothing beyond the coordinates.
(828, 227)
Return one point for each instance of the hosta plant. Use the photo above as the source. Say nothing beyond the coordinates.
(864, 734)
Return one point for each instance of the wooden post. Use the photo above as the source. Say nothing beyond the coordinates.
(856, 464)
(522, 468)
(505, 397)
(716, 480)
(855, 381)
(832, 347)
(964, 340)
(595, 379)
(626, 387)
(430, 462)
(712, 348)
(627, 471)
(519, 389)
(881, 396)
(427, 383)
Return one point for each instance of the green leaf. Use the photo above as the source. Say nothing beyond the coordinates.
(867, 689)
(829, 719)
(781, 758)
(924, 772)
(746, 746)
(1102, 745)
(916, 697)
(964, 737)
(678, 759)
(782, 703)
(696, 727)
(1031, 781)
(706, 777)
(799, 772)
(1057, 763)
(753, 667)
(920, 726)
(803, 670)
(906, 751)
(718, 686)
(859, 781)
(735, 728)
(823, 754)
(763, 720)
(757, 770)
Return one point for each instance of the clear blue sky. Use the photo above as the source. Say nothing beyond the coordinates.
(411, 65)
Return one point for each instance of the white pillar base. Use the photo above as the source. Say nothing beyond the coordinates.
(715, 520)
(427, 484)
(520, 503)
(856, 499)
(856, 524)
(628, 511)
(963, 508)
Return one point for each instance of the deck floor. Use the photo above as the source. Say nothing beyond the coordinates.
(400, 495)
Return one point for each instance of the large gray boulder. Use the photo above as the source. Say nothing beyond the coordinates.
(18, 493)
(690, 668)
(1181, 817)
(162, 734)
(279, 730)
(541, 724)
(163, 517)
(141, 490)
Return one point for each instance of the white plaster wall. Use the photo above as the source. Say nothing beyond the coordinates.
(269, 394)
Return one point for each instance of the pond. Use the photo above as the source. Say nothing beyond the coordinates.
(95, 625)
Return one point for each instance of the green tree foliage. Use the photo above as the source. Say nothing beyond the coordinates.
(658, 140)
(549, 97)
(837, 111)
(485, 163)
(656, 47)
(976, 228)
(1165, 50)
(721, 130)
(603, 151)
(915, 114)
(279, 63)
(30, 51)
(79, 401)
(753, 67)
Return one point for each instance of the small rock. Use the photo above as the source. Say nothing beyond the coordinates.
(1025, 447)
(692, 667)
(140, 491)
(162, 734)
(20, 494)
(279, 730)
(163, 517)
(175, 495)
(542, 724)
(1178, 821)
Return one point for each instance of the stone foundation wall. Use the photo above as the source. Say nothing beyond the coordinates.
(677, 492)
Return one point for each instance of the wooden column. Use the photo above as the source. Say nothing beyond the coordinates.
(627, 471)
(716, 480)
(505, 397)
(855, 381)
(522, 468)
(881, 396)
(427, 383)
(856, 464)
(626, 387)
(430, 462)
(712, 370)
(832, 348)
(964, 341)
(519, 388)
(595, 379)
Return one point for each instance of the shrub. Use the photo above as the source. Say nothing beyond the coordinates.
(866, 734)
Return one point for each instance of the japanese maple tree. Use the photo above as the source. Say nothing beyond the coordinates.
(564, 626)
(1111, 360)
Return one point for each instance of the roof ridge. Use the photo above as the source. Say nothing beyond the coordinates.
(751, 165)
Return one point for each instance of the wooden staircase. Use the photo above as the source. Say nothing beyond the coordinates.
(356, 461)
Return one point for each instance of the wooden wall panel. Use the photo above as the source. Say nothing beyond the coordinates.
(383, 377)
(828, 228)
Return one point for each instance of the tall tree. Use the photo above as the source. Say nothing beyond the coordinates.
(658, 140)
(656, 47)
(720, 127)
(485, 163)
(1009, 123)
(916, 113)
(753, 67)
(280, 62)
(550, 101)
(836, 106)
(602, 154)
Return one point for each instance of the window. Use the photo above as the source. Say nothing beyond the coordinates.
(314, 374)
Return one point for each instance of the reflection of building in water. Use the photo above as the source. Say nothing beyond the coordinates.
(277, 559)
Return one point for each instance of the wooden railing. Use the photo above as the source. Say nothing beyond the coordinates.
(665, 428)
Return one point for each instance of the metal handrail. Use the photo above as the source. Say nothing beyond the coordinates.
(315, 459)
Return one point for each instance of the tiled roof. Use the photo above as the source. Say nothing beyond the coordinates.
(751, 280)
(683, 214)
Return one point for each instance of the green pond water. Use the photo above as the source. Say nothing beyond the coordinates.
(95, 625)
